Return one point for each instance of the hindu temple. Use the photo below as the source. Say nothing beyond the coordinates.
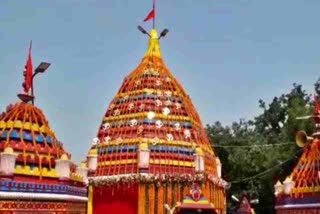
(36, 173)
(151, 154)
(300, 191)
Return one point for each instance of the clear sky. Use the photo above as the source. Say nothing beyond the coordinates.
(228, 54)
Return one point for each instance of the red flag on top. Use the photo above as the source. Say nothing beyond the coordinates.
(28, 71)
(152, 14)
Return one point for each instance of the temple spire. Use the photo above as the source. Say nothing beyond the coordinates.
(154, 46)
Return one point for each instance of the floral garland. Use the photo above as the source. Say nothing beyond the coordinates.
(147, 199)
(159, 180)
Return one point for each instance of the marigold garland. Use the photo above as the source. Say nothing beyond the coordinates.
(141, 201)
(166, 193)
(177, 192)
(186, 190)
(173, 194)
(151, 198)
(156, 198)
(169, 195)
(161, 201)
(158, 179)
(215, 197)
(147, 199)
(210, 193)
(181, 191)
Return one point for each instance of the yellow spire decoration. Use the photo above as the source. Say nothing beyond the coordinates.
(154, 45)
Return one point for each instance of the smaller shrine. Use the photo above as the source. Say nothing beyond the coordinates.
(245, 206)
(300, 191)
(36, 173)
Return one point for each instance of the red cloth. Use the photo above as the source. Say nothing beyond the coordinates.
(29, 71)
(121, 199)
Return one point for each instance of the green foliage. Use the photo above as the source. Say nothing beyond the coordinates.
(277, 124)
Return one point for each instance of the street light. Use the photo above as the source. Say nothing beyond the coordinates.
(163, 33)
(142, 30)
(234, 198)
(40, 69)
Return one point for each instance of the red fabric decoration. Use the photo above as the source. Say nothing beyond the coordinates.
(115, 200)
(29, 71)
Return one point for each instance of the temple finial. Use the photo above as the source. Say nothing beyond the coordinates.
(28, 78)
(28, 93)
(154, 45)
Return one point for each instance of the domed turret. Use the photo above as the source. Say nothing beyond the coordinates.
(151, 133)
(36, 173)
(25, 129)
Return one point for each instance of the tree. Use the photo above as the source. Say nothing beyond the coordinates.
(277, 124)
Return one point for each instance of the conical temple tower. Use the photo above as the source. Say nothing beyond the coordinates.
(300, 192)
(36, 173)
(151, 153)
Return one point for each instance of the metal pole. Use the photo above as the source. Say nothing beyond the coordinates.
(32, 92)
(154, 17)
(32, 101)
